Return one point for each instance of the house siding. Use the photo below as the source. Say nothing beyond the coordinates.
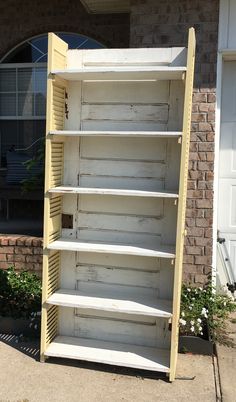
(165, 23)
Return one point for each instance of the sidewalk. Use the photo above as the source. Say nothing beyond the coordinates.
(24, 378)
(227, 364)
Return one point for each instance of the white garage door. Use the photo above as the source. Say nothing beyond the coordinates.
(227, 166)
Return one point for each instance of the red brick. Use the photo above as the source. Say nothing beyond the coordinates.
(194, 250)
(205, 127)
(19, 258)
(203, 223)
(202, 260)
(197, 117)
(199, 98)
(24, 250)
(195, 194)
(5, 265)
(4, 241)
(205, 166)
(195, 231)
(211, 98)
(3, 257)
(37, 250)
(205, 203)
(8, 250)
(203, 241)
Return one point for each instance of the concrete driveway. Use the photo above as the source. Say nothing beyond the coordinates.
(24, 379)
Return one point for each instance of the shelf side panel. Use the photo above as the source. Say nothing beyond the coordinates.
(180, 232)
(56, 93)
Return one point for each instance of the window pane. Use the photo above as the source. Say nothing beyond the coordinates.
(25, 79)
(40, 80)
(7, 80)
(25, 104)
(8, 138)
(20, 134)
(40, 105)
(7, 104)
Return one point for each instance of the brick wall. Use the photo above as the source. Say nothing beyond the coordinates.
(20, 20)
(165, 23)
(22, 252)
(152, 23)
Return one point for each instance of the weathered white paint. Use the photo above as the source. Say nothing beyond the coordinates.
(113, 301)
(122, 139)
(111, 191)
(88, 246)
(110, 353)
(147, 57)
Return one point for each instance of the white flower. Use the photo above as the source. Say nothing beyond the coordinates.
(182, 322)
(192, 329)
(213, 291)
(201, 333)
(200, 328)
(189, 290)
(183, 314)
(193, 298)
(199, 320)
(204, 312)
(192, 322)
(224, 303)
(190, 308)
(200, 289)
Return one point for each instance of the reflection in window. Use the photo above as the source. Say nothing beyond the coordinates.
(23, 81)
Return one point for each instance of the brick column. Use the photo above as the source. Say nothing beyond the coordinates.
(165, 23)
(22, 252)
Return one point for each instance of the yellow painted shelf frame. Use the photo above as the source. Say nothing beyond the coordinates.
(54, 295)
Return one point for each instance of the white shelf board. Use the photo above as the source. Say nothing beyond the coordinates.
(90, 133)
(112, 191)
(126, 355)
(120, 73)
(110, 248)
(114, 301)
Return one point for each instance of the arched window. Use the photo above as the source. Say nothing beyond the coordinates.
(23, 91)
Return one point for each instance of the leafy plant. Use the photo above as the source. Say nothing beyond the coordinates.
(204, 311)
(20, 293)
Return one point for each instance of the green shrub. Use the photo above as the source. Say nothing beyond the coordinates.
(204, 312)
(20, 293)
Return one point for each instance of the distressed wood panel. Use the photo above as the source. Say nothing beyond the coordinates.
(125, 112)
(126, 148)
(118, 329)
(122, 168)
(125, 92)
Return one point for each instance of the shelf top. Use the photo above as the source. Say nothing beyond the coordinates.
(110, 248)
(114, 301)
(120, 73)
(126, 355)
(110, 133)
(113, 191)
